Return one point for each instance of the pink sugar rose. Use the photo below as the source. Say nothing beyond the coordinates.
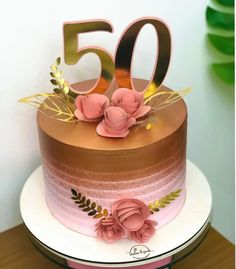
(131, 101)
(143, 234)
(130, 213)
(116, 123)
(90, 107)
(109, 231)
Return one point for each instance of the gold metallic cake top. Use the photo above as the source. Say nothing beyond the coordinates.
(83, 134)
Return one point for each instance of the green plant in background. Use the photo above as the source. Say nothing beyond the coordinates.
(222, 21)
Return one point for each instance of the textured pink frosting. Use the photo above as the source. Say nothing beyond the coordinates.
(59, 179)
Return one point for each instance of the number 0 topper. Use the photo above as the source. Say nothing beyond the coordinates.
(125, 49)
(124, 53)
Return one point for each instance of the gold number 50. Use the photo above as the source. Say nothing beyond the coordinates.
(124, 53)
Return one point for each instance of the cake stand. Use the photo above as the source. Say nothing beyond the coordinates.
(73, 250)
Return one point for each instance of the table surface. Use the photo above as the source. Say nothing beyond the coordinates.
(17, 252)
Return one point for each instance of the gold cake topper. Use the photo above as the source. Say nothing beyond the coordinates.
(70, 105)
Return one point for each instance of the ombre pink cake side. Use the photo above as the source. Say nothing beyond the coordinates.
(59, 180)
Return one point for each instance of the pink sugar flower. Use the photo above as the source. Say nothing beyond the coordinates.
(108, 230)
(91, 107)
(130, 213)
(131, 101)
(143, 234)
(116, 123)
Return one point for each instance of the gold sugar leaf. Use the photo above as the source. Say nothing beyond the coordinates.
(98, 216)
(163, 99)
(65, 89)
(54, 68)
(87, 206)
(99, 209)
(156, 205)
(61, 81)
(105, 212)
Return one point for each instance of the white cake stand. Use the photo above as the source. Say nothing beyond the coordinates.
(65, 246)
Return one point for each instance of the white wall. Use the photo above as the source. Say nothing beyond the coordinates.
(31, 38)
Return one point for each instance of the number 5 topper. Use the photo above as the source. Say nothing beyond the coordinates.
(124, 53)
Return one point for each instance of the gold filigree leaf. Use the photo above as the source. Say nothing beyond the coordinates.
(163, 99)
(52, 105)
(151, 91)
(156, 205)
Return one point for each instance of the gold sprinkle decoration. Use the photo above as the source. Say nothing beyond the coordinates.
(164, 201)
(52, 105)
(149, 126)
(88, 206)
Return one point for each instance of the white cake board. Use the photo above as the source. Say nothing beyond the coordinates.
(169, 240)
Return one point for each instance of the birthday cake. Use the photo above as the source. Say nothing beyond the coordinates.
(114, 158)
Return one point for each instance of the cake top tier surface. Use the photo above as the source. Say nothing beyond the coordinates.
(83, 135)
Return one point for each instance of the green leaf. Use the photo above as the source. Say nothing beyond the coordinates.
(226, 3)
(52, 74)
(218, 19)
(92, 213)
(53, 81)
(93, 205)
(58, 60)
(57, 90)
(222, 43)
(87, 209)
(74, 192)
(225, 71)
